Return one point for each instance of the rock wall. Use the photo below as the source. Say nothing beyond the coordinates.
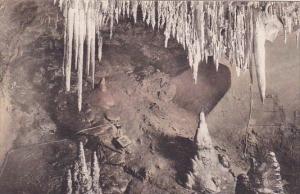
(6, 136)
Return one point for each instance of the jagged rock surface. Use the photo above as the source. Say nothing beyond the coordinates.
(263, 177)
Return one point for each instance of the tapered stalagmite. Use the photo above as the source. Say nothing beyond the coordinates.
(75, 180)
(69, 186)
(200, 177)
(202, 138)
(81, 158)
(95, 173)
(83, 175)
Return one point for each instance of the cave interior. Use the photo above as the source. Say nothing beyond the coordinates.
(116, 110)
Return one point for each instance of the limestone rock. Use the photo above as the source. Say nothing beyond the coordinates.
(243, 186)
(115, 158)
(224, 160)
(112, 116)
(122, 141)
(136, 171)
(264, 175)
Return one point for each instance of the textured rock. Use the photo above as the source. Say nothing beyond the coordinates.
(122, 141)
(200, 178)
(224, 160)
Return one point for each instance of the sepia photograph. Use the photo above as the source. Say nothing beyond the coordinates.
(149, 97)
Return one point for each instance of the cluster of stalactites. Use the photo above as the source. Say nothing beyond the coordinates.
(80, 28)
(212, 28)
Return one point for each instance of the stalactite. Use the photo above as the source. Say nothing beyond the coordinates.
(93, 58)
(65, 38)
(76, 31)
(202, 28)
(89, 32)
(259, 54)
(100, 44)
(69, 38)
(134, 8)
(111, 15)
(82, 33)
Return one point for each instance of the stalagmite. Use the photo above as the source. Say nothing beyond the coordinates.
(200, 178)
(275, 175)
(202, 138)
(81, 158)
(95, 173)
(80, 180)
(83, 175)
(264, 175)
(69, 188)
(75, 180)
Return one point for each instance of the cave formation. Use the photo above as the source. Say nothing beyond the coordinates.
(111, 96)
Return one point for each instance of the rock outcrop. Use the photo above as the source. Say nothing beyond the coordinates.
(263, 177)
